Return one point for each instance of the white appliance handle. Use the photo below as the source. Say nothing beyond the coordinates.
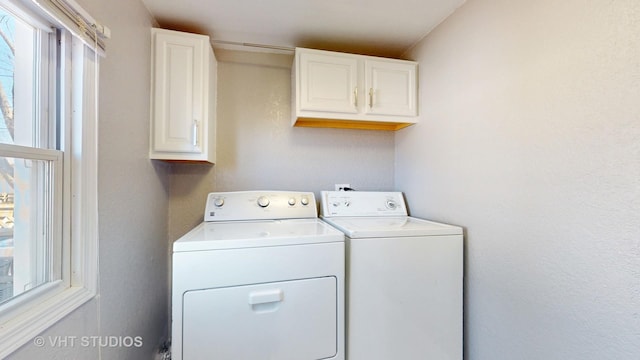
(265, 297)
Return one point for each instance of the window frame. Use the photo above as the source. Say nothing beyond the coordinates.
(53, 224)
(73, 99)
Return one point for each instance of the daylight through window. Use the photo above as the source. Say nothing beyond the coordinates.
(29, 166)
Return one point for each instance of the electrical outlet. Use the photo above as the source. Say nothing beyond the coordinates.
(342, 187)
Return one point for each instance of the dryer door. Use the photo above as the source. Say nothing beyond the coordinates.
(288, 320)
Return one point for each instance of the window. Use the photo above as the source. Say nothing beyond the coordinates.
(48, 170)
(30, 166)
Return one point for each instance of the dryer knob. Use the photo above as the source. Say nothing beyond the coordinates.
(304, 200)
(391, 204)
(292, 201)
(218, 202)
(263, 201)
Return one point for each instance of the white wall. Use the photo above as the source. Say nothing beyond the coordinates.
(530, 139)
(258, 149)
(133, 201)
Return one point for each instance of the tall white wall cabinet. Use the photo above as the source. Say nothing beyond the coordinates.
(342, 90)
(183, 99)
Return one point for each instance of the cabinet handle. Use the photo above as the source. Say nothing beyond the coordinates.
(370, 98)
(355, 96)
(195, 129)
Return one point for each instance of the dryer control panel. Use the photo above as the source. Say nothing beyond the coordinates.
(362, 203)
(260, 205)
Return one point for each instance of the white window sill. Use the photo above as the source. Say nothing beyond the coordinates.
(24, 327)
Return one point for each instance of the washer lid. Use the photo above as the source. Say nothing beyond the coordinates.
(390, 226)
(247, 234)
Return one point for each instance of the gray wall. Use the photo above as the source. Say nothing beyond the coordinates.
(530, 139)
(258, 149)
(133, 202)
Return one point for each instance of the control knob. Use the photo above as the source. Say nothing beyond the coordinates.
(263, 201)
(391, 204)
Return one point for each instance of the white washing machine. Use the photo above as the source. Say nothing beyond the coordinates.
(404, 278)
(261, 278)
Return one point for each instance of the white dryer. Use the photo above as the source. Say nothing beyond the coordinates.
(404, 278)
(261, 278)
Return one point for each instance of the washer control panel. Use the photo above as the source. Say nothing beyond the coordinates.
(260, 205)
(362, 203)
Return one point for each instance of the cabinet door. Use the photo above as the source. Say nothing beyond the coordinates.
(328, 83)
(390, 88)
(179, 77)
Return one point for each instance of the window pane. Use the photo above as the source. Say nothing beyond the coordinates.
(18, 75)
(25, 234)
(7, 69)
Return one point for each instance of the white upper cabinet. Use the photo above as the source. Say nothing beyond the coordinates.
(328, 83)
(353, 91)
(183, 100)
(391, 87)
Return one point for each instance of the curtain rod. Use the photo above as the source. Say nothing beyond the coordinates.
(72, 9)
(272, 47)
